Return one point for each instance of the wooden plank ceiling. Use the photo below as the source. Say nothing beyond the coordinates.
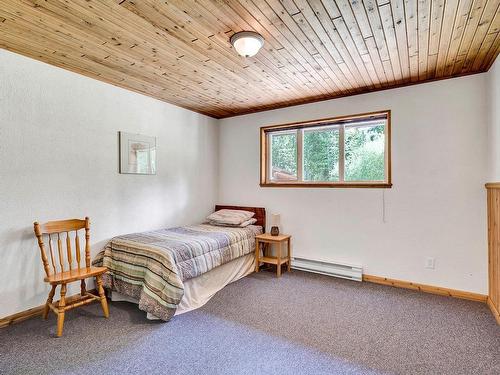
(179, 51)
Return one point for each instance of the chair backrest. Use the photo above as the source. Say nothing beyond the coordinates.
(54, 230)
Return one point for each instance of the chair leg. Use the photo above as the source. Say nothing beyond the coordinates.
(83, 288)
(104, 302)
(60, 315)
(49, 300)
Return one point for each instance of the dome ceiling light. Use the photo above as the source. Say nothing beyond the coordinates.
(247, 43)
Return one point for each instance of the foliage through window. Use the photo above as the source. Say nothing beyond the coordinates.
(347, 151)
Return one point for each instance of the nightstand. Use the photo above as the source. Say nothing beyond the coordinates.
(266, 239)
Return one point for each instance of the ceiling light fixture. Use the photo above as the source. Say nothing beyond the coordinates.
(247, 43)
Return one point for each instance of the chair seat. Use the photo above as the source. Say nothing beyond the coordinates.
(75, 274)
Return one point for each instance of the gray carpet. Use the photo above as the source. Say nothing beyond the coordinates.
(299, 324)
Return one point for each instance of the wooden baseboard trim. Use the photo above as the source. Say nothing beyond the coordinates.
(34, 311)
(20, 316)
(426, 288)
(494, 310)
(37, 311)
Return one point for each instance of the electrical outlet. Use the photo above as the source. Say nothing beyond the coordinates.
(430, 263)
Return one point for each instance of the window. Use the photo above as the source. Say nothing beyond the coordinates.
(349, 151)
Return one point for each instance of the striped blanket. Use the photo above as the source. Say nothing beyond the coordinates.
(151, 266)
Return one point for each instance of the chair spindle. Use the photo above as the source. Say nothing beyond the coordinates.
(60, 251)
(68, 250)
(87, 242)
(42, 249)
(52, 254)
(77, 246)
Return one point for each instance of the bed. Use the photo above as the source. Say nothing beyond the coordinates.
(171, 271)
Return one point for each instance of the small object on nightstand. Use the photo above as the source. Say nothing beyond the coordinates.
(278, 260)
(275, 221)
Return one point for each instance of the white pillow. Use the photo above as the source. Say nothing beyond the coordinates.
(230, 217)
(242, 225)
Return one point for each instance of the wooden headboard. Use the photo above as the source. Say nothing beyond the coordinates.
(260, 213)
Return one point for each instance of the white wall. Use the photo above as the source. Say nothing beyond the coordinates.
(494, 122)
(59, 159)
(436, 207)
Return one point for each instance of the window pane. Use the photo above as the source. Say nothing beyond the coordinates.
(364, 153)
(284, 156)
(321, 155)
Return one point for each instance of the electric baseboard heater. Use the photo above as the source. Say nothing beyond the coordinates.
(342, 270)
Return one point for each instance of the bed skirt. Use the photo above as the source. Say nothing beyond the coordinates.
(199, 290)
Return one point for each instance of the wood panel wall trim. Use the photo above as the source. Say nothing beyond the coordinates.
(33, 312)
(493, 208)
(426, 288)
(37, 311)
(494, 310)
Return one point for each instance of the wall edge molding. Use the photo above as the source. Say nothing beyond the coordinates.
(494, 310)
(477, 297)
(426, 288)
(31, 313)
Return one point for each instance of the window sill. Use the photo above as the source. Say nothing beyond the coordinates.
(369, 185)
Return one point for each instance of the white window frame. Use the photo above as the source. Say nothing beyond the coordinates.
(269, 143)
(341, 147)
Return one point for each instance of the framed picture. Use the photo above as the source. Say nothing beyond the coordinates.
(137, 153)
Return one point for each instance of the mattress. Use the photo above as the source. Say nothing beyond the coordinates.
(152, 267)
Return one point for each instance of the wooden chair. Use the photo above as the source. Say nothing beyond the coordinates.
(69, 270)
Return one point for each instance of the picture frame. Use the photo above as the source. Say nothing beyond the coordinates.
(137, 154)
